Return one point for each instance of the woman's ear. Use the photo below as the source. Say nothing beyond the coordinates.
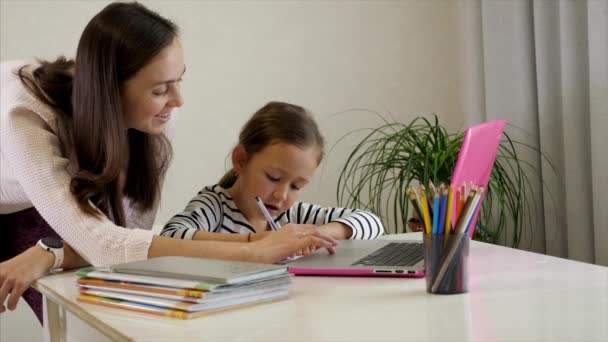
(239, 158)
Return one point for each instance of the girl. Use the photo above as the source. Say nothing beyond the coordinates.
(278, 152)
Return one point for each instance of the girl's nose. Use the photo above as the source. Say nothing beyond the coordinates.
(280, 192)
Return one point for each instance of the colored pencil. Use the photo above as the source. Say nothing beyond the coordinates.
(474, 207)
(430, 195)
(425, 210)
(443, 203)
(436, 211)
(463, 220)
(448, 214)
(459, 205)
(411, 194)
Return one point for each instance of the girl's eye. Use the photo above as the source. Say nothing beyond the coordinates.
(273, 179)
(294, 187)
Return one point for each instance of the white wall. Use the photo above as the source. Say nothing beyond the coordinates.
(397, 57)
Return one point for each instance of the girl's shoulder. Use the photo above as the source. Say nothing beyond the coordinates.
(217, 193)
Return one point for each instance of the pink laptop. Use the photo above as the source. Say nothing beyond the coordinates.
(476, 158)
(405, 258)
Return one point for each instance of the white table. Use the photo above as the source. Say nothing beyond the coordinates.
(514, 296)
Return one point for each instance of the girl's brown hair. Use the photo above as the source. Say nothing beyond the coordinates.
(86, 94)
(277, 122)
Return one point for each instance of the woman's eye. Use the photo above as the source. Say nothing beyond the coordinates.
(160, 92)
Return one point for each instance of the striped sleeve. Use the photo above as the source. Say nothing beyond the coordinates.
(203, 212)
(364, 225)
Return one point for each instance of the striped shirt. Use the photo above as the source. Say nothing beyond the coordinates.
(213, 210)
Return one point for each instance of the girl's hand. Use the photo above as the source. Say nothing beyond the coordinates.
(292, 239)
(18, 273)
(337, 230)
(322, 232)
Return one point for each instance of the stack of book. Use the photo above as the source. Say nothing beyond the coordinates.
(183, 287)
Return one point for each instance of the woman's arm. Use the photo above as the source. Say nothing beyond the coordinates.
(268, 247)
(37, 162)
(207, 236)
(18, 273)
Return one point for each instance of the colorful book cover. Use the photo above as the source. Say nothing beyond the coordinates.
(188, 306)
(162, 311)
(91, 272)
(173, 294)
(116, 285)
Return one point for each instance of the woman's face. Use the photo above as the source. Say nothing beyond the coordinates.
(150, 96)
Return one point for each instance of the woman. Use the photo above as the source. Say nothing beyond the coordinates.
(84, 153)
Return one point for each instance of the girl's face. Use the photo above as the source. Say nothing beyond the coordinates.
(277, 174)
(150, 96)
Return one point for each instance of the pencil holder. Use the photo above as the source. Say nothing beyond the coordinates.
(446, 263)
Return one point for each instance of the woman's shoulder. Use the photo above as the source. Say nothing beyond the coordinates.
(14, 95)
(12, 88)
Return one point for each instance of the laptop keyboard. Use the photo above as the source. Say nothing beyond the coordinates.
(394, 254)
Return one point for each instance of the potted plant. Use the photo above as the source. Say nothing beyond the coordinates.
(386, 161)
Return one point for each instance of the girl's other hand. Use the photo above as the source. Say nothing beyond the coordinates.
(293, 239)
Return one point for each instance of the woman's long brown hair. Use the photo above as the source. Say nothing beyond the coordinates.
(86, 94)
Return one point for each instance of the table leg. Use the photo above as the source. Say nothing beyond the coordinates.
(54, 321)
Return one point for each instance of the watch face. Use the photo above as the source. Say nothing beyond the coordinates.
(52, 242)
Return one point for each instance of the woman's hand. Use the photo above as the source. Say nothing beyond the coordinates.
(292, 239)
(261, 235)
(18, 273)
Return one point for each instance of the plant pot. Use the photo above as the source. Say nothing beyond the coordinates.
(414, 225)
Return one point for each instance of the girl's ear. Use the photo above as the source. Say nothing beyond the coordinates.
(239, 158)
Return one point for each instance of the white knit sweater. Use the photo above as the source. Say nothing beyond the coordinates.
(33, 173)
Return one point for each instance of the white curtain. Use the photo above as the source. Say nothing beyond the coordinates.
(543, 65)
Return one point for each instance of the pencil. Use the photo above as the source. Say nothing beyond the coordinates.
(431, 186)
(412, 196)
(273, 225)
(425, 210)
(474, 206)
(443, 203)
(463, 219)
(429, 196)
(459, 205)
(436, 211)
(448, 214)
(419, 202)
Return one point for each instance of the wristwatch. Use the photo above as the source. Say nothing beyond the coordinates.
(55, 246)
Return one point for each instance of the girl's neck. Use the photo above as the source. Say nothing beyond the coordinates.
(247, 207)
